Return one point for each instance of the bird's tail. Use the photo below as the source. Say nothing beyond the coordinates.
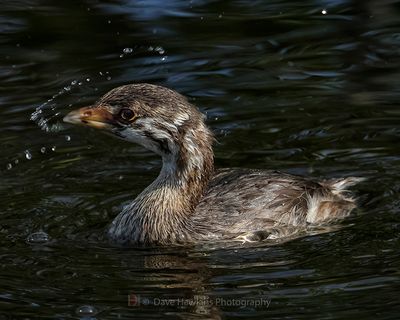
(323, 208)
(340, 186)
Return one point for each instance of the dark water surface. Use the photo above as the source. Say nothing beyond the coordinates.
(285, 86)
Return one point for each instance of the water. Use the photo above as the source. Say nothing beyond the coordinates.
(307, 87)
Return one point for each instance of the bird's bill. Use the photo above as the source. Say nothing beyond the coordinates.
(95, 117)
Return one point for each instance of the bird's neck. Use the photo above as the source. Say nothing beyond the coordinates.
(163, 212)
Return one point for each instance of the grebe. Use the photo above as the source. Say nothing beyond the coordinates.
(189, 201)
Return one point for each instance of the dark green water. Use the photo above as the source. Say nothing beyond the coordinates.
(284, 86)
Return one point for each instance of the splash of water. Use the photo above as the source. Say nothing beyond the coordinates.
(39, 117)
(28, 155)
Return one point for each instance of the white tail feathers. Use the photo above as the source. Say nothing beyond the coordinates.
(342, 184)
(324, 208)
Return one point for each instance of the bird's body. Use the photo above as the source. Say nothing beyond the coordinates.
(190, 201)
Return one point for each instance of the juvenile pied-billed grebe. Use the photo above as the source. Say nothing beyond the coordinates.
(189, 201)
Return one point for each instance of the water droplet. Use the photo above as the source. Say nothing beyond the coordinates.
(87, 79)
(53, 148)
(109, 21)
(36, 114)
(100, 73)
(42, 123)
(16, 161)
(79, 83)
(9, 166)
(86, 311)
(324, 11)
(68, 138)
(108, 78)
(121, 55)
(38, 238)
(163, 58)
(74, 82)
(127, 50)
(43, 149)
(150, 48)
(220, 16)
(160, 50)
(28, 155)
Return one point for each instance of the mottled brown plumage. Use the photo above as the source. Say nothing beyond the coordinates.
(190, 202)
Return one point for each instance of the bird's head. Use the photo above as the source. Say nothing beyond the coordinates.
(155, 117)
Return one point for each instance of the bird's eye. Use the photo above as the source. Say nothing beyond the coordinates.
(127, 114)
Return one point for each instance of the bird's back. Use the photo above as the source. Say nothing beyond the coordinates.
(245, 200)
